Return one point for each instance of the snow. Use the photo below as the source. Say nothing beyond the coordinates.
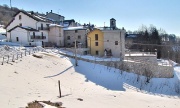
(30, 78)
(46, 106)
(140, 54)
(74, 28)
(9, 44)
(56, 25)
(2, 30)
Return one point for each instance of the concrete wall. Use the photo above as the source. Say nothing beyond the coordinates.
(80, 51)
(22, 36)
(153, 68)
(142, 58)
(110, 36)
(156, 70)
(72, 35)
(56, 36)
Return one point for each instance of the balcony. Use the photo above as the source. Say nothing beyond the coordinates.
(43, 28)
(38, 37)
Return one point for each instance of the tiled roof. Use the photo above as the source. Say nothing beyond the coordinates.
(32, 15)
(23, 27)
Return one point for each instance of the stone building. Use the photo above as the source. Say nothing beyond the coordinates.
(72, 33)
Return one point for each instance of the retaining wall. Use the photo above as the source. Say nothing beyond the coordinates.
(141, 68)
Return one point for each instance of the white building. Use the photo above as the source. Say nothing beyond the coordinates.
(28, 29)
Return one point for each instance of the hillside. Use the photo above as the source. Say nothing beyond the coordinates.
(6, 14)
(88, 85)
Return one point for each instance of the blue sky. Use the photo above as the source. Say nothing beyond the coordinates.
(130, 14)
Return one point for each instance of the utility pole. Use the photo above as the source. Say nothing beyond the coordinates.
(76, 62)
(10, 4)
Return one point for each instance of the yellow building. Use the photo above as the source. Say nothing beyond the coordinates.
(95, 40)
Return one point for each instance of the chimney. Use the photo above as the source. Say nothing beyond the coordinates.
(46, 13)
(51, 11)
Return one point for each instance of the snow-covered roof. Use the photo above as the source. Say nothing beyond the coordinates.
(2, 30)
(55, 25)
(75, 28)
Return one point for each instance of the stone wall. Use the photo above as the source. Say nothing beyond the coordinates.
(141, 68)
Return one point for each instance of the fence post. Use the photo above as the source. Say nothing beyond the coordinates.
(59, 88)
(21, 54)
(13, 58)
(29, 52)
(8, 59)
(3, 61)
(25, 53)
(17, 56)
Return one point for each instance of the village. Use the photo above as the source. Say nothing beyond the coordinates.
(42, 49)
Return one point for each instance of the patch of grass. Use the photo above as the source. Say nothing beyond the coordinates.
(36, 104)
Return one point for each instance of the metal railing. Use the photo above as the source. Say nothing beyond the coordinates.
(38, 37)
(43, 28)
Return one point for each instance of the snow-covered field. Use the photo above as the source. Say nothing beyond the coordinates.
(30, 78)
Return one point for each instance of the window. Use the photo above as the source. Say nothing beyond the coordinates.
(41, 26)
(96, 36)
(96, 43)
(116, 42)
(69, 44)
(34, 34)
(59, 34)
(68, 38)
(76, 31)
(17, 39)
(79, 37)
(20, 24)
(42, 34)
(19, 17)
(97, 52)
(107, 40)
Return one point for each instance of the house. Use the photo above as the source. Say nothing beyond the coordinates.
(28, 29)
(56, 35)
(70, 23)
(56, 17)
(107, 41)
(78, 33)
(95, 40)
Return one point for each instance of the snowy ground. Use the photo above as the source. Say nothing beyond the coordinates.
(31, 78)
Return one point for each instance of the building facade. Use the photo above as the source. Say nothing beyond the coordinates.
(95, 41)
(107, 41)
(28, 29)
(114, 41)
(56, 17)
(56, 35)
(75, 33)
